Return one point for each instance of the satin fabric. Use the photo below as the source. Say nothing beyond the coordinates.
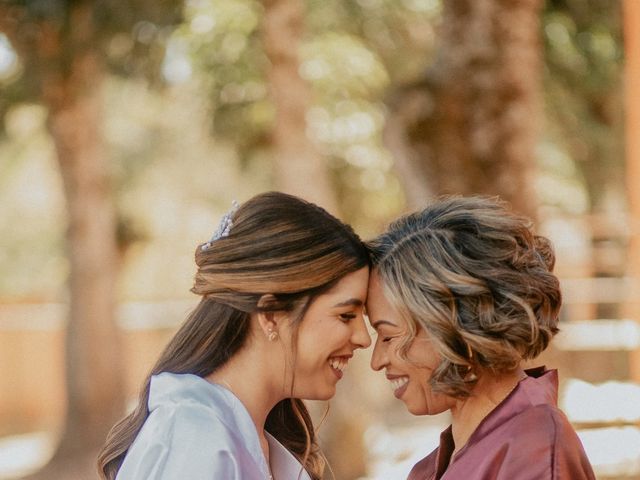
(200, 431)
(526, 437)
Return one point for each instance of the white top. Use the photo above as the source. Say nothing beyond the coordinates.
(200, 431)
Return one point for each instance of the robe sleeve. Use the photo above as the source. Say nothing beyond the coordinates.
(569, 458)
(181, 444)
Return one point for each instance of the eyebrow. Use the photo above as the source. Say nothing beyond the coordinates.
(377, 323)
(352, 302)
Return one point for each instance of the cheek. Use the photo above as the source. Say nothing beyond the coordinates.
(399, 360)
(317, 344)
(332, 334)
(420, 377)
(424, 355)
(421, 400)
(430, 403)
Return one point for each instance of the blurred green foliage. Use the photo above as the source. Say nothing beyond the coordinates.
(181, 152)
(129, 35)
(584, 92)
(349, 56)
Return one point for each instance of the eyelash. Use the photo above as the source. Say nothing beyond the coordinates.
(384, 339)
(345, 317)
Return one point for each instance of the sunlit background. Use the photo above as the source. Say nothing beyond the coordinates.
(190, 105)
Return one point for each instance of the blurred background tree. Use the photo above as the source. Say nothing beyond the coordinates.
(583, 92)
(64, 49)
(584, 122)
(469, 124)
(339, 50)
(369, 107)
(299, 167)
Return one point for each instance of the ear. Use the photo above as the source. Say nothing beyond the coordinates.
(268, 321)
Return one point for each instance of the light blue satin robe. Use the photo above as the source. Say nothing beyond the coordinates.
(200, 431)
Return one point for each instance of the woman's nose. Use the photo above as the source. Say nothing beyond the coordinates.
(360, 336)
(378, 358)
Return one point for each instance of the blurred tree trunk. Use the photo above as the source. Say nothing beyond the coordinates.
(299, 167)
(96, 396)
(588, 116)
(301, 170)
(632, 91)
(71, 74)
(469, 125)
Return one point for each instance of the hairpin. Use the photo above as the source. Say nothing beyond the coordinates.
(226, 222)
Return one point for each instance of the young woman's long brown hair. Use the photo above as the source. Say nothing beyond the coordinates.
(279, 245)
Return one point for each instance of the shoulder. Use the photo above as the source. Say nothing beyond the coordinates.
(548, 416)
(182, 442)
(195, 422)
(425, 467)
(547, 435)
(545, 422)
(544, 427)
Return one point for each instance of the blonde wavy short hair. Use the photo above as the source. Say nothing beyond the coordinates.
(472, 274)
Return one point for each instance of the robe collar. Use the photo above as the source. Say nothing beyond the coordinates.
(540, 387)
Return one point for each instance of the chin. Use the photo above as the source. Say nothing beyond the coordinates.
(327, 395)
(418, 410)
(320, 395)
(420, 407)
(424, 409)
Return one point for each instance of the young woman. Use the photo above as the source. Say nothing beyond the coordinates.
(283, 285)
(460, 295)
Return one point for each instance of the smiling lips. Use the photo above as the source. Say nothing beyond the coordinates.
(398, 384)
(338, 364)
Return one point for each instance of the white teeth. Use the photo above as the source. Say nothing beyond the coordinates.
(337, 363)
(396, 383)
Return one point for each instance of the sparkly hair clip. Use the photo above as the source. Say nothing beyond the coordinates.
(226, 222)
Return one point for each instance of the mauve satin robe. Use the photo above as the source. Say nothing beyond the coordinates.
(526, 437)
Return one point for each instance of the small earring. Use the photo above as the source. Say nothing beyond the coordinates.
(273, 336)
(470, 375)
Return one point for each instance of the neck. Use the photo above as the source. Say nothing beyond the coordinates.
(249, 376)
(468, 413)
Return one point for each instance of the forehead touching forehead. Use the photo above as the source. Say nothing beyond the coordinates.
(380, 310)
(350, 289)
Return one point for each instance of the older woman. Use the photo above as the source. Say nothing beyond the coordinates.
(461, 294)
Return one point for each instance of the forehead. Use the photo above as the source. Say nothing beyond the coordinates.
(351, 286)
(378, 305)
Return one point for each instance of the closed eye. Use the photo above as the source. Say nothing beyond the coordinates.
(386, 338)
(345, 317)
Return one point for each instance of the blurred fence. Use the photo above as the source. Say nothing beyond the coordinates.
(32, 389)
(32, 357)
(594, 353)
